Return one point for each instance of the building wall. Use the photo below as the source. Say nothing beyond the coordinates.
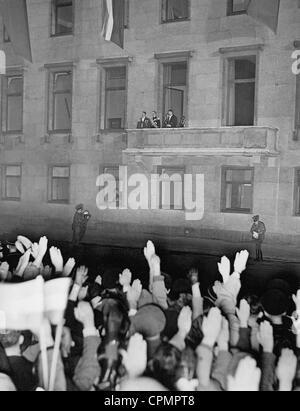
(86, 151)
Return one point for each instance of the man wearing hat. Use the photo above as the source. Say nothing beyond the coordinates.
(258, 232)
(86, 217)
(78, 221)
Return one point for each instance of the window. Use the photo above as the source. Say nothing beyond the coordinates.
(237, 190)
(59, 184)
(241, 91)
(237, 7)
(6, 38)
(12, 183)
(12, 103)
(60, 100)
(175, 10)
(171, 190)
(115, 97)
(62, 17)
(175, 88)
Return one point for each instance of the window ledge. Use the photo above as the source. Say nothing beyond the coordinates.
(188, 19)
(64, 203)
(54, 36)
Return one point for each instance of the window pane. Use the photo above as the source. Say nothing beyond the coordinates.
(245, 68)
(246, 196)
(61, 172)
(14, 113)
(176, 10)
(238, 190)
(115, 109)
(171, 193)
(244, 104)
(60, 189)
(13, 187)
(62, 111)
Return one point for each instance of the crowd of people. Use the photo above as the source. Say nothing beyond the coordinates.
(170, 335)
(170, 121)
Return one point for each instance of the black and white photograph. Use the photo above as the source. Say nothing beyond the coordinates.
(149, 198)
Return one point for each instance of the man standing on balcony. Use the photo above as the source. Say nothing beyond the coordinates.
(144, 121)
(171, 120)
(258, 232)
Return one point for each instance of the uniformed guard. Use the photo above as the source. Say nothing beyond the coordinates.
(78, 222)
(258, 232)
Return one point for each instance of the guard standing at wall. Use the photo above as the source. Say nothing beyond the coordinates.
(258, 232)
(78, 222)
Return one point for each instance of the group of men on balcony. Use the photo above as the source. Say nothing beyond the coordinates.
(170, 121)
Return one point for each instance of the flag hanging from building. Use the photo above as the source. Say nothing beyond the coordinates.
(15, 20)
(266, 11)
(114, 21)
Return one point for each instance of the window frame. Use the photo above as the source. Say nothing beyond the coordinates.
(172, 58)
(230, 9)
(54, 25)
(227, 54)
(4, 100)
(4, 183)
(164, 20)
(297, 107)
(103, 66)
(50, 186)
(52, 71)
(224, 183)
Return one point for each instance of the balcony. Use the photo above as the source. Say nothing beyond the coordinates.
(228, 141)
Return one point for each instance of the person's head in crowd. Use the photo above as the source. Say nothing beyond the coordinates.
(144, 115)
(276, 300)
(154, 114)
(181, 293)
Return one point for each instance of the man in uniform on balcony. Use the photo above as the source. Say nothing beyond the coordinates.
(258, 232)
(171, 120)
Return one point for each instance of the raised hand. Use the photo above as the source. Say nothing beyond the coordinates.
(85, 315)
(24, 241)
(286, 370)
(224, 269)
(296, 299)
(125, 279)
(4, 269)
(185, 321)
(69, 266)
(35, 250)
(135, 358)
(155, 266)
(247, 377)
(19, 247)
(43, 247)
(241, 260)
(265, 337)
(57, 259)
(243, 313)
(99, 280)
(134, 294)
(211, 327)
(81, 275)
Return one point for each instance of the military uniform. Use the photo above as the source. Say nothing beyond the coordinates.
(258, 232)
(78, 221)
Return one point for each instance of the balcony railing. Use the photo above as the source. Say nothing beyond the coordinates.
(204, 141)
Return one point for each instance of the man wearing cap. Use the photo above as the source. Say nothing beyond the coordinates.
(86, 217)
(78, 221)
(258, 232)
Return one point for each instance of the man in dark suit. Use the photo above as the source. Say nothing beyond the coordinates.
(144, 121)
(258, 231)
(170, 120)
